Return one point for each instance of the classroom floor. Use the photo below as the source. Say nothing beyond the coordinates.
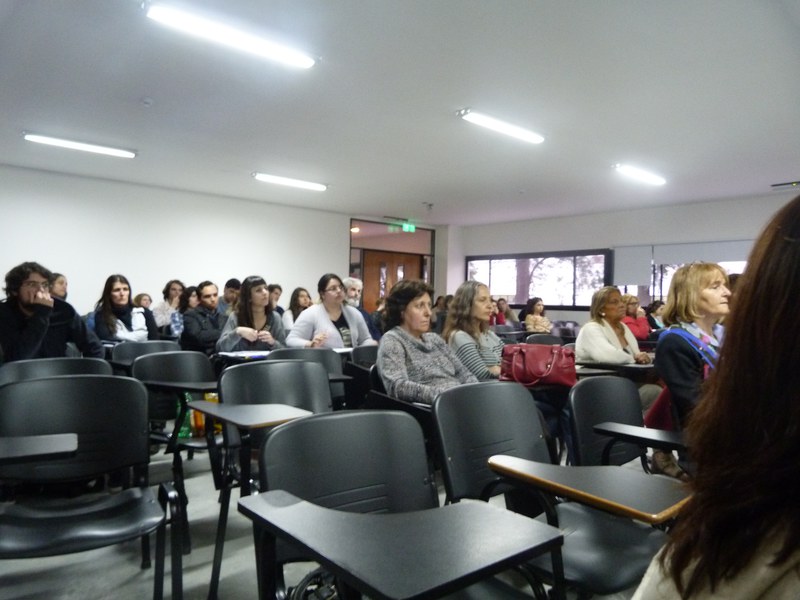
(114, 572)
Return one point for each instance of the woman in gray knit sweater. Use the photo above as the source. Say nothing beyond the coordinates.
(414, 364)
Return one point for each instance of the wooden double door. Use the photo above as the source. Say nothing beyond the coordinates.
(382, 270)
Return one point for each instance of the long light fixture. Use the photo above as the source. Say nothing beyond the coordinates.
(640, 175)
(500, 126)
(297, 183)
(228, 36)
(72, 145)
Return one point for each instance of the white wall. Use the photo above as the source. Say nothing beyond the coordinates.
(90, 228)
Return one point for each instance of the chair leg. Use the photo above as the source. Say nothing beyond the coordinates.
(145, 552)
(219, 544)
(158, 576)
(177, 475)
(168, 497)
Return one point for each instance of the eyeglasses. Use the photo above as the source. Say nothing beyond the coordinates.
(39, 285)
(335, 289)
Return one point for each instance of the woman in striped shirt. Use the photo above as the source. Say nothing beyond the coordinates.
(468, 333)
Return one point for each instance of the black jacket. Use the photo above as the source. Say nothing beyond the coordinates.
(201, 329)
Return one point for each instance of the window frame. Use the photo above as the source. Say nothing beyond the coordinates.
(608, 268)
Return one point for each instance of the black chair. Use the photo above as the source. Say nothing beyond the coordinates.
(109, 416)
(357, 461)
(544, 338)
(297, 383)
(598, 400)
(37, 368)
(328, 358)
(364, 355)
(165, 405)
(124, 353)
(602, 554)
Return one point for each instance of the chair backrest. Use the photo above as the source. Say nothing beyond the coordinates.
(503, 327)
(478, 420)
(375, 381)
(596, 400)
(294, 382)
(108, 413)
(544, 338)
(131, 350)
(325, 356)
(355, 460)
(36, 368)
(364, 355)
(179, 365)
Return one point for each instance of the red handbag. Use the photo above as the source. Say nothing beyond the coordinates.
(538, 364)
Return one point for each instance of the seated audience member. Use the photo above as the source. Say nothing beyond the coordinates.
(441, 315)
(229, 295)
(496, 318)
(33, 324)
(116, 318)
(635, 317)
(438, 306)
(203, 324)
(331, 323)
(163, 310)
(414, 364)
(535, 321)
(378, 316)
(738, 536)
(352, 296)
(605, 338)
(254, 325)
(299, 301)
(275, 293)
(143, 301)
(467, 331)
(187, 300)
(655, 315)
(58, 286)
(503, 308)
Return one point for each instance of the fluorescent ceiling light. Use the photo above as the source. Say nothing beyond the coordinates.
(228, 36)
(50, 141)
(640, 174)
(298, 183)
(500, 126)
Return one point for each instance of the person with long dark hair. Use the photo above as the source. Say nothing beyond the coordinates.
(163, 311)
(254, 324)
(535, 319)
(116, 318)
(188, 299)
(738, 536)
(331, 323)
(298, 302)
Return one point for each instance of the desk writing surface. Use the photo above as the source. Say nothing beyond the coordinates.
(20, 449)
(652, 438)
(182, 386)
(619, 490)
(412, 555)
(250, 416)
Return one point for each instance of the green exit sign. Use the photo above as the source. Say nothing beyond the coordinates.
(409, 228)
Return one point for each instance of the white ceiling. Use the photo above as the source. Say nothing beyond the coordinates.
(704, 92)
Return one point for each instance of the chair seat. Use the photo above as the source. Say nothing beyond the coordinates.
(490, 588)
(594, 541)
(74, 525)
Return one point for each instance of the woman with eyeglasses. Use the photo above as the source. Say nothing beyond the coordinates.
(254, 324)
(635, 317)
(331, 323)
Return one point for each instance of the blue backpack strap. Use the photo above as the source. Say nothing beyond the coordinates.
(702, 348)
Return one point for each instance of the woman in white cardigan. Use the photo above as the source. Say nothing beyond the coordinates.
(331, 323)
(606, 339)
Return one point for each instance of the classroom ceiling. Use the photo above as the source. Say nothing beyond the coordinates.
(704, 92)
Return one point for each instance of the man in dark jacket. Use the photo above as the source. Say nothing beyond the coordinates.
(33, 324)
(203, 324)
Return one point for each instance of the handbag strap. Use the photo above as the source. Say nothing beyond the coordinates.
(703, 349)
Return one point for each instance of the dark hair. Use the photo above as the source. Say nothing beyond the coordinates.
(653, 306)
(165, 291)
(232, 283)
(744, 432)
(205, 284)
(183, 300)
(106, 307)
(459, 317)
(403, 292)
(244, 311)
(533, 302)
(323, 282)
(294, 302)
(20, 273)
(274, 286)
